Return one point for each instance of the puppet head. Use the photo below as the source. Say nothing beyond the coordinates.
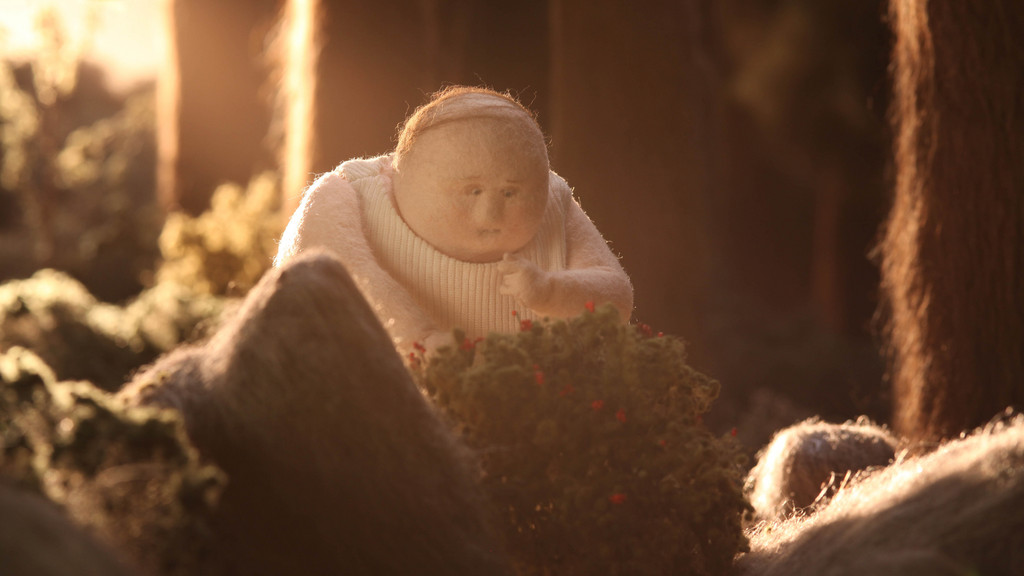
(471, 174)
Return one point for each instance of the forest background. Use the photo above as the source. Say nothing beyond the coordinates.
(736, 155)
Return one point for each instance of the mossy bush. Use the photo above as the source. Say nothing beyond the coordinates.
(128, 474)
(226, 249)
(80, 338)
(592, 446)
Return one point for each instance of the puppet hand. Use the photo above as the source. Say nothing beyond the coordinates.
(523, 280)
(436, 340)
(426, 345)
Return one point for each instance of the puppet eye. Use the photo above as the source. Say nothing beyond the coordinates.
(476, 191)
(509, 192)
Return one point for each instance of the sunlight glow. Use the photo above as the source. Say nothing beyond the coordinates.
(168, 87)
(125, 39)
(298, 90)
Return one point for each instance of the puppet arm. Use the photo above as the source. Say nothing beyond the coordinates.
(329, 217)
(592, 274)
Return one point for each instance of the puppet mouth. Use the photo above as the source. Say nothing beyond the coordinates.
(490, 232)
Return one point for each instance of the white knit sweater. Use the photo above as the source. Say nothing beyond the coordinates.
(455, 294)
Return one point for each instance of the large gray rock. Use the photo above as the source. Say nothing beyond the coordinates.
(807, 462)
(37, 539)
(957, 510)
(336, 462)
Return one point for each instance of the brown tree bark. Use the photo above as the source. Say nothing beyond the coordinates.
(953, 252)
(827, 287)
(214, 100)
(374, 66)
(631, 129)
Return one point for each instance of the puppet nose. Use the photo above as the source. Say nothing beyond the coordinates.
(491, 210)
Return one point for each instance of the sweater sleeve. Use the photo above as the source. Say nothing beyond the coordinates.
(593, 272)
(327, 217)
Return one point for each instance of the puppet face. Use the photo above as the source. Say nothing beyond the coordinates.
(474, 188)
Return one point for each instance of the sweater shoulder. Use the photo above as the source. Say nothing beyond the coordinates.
(559, 189)
(358, 169)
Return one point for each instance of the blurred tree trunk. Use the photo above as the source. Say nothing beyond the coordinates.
(375, 65)
(953, 253)
(633, 129)
(378, 61)
(349, 72)
(215, 105)
(827, 273)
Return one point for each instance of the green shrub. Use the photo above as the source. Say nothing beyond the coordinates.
(79, 338)
(592, 447)
(227, 248)
(80, 160)
(129, 474)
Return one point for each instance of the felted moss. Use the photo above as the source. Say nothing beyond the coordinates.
(592, 447)
(806, 463)
(79, 337)
(227, 248)
(128, 474)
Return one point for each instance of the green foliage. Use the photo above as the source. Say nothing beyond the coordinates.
(19, 125)
(128, 473)
(81, 338)
(23, 113)
(55, 67)
(79, 160)
(107, 167)
(228, 247)
(593, 448)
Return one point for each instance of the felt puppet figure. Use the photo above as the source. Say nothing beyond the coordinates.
(463, 226)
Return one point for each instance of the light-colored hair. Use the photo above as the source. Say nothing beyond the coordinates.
(465, 103)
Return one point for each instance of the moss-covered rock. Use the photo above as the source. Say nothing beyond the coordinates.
(128, 474)
(81, 338)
